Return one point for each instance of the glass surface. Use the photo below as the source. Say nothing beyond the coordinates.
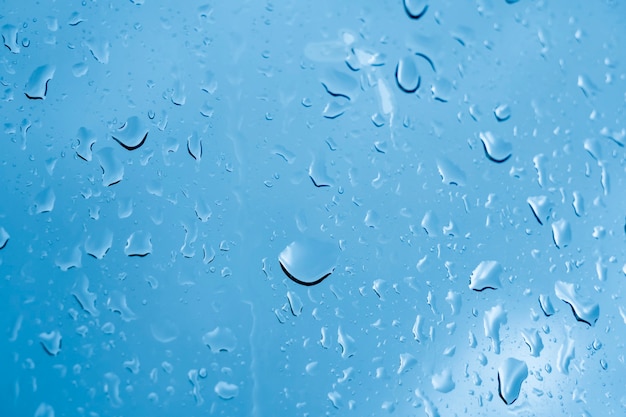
(332, 208)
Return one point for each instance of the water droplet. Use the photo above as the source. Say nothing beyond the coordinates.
(493, 319)
(112, 168)
(441, 89)
(69, 258)
(561, 233)
(541, 207)
(80, 69)
(450, 172)
(86, 139)
(578, 203)
(340, 84)
(407, 361)
(99, 49)
(75, 19)
(372, 219)
(44, 201)
(407, 75)
(44, 410)
(98, 245)
(51, 342)
(502, 112)
(486, 275)
(4, 238)
(415, 8)
(334, 109)
(584, 309)
(203, 210)
(318, 173)
(443, 382)
(308, 261)
(132, 134)
(496, 149)
(138, 244)
(511, 374)
(347, 343)
(112, 389)
(9, 37)
(85, 298)
(546, 305)
(335, 399)
(117, 303)
(533, 341)
(194, 146)
(164, 331)
(37, 85)
(565, 355)
(295, 303)
(220, 339)
(587, 86)
(226, 391)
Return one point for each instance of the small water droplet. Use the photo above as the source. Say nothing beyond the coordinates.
(407, 75)
(511, 374)
(37, 85)
(44, 410)
(308, 261)
(496, 149)
(164, 331)
(132, 134)
(347, 343)
(80, 69)
(295, 303)
(415, 8)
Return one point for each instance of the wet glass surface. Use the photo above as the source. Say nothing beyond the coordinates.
(304, 209)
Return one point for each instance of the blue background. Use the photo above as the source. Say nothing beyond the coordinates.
(273, 123)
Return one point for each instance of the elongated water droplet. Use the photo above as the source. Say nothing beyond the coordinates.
(496, 149)
(194, 146)
(511, 374)
(37, 85)
(407, 75)
(86, 139)
(340, 84)
(308, 261)
(541, 207)
(85, 298)
(415, 8)
(493, 319)
(584, 309)
(132, 134)
(546, 305)
(4, 238)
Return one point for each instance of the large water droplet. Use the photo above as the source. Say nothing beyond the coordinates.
(415, 8)
(138, 244)
(511, 374)
(98, 245)
(486, 275)
(407, 75)
(450, 172)
(99, 49)
(496, 148)
(584, 309)
(37, 85)
(319, 174)
(44, 201)
(308, 261)
(132, 134)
